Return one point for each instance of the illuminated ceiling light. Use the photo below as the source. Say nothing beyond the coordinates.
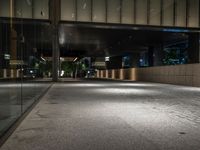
(43, 59)
(175, 30)
(75, 59)
(62, 39)
(62, 59)
(107, 58)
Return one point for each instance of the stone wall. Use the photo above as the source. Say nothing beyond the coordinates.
(178, 74)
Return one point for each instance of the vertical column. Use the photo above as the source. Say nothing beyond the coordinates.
(13, 52)
(107, 76)
(101, 73)
(55, 18)
(113, 74)
(4, 73)
(194, 49)
(121, 74)
(1, 52)
(97, 74)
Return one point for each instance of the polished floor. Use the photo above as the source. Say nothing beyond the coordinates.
(112, 115)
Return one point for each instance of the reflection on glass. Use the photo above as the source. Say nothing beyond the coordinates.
(24, 67)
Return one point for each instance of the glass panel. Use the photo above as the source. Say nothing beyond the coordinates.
(34, 50)
(168, 12)
(155, 12)
(113, 14)
(10, 83)
(99, 11)
(25, 46)
(84, 10)
(128, 11)
(141, 11)
(68, 10)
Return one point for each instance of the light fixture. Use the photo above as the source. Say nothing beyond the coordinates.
(43, 59)
(75, 59)
(107, 58)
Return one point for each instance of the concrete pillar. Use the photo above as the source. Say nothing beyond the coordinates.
(55, 18)
(13, 51)
(98, 74)
(4, 73)
(194, 48)
(18, 73)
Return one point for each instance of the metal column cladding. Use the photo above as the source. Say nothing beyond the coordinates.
(154, 12)
(68, 10)
(114, 9)
(84, 10)
(145, 12)
(181, 13)
(141, 12)
(99, 11)
(193, 13)
(55, 17)
(127, 11)
(36, 9)
(178, 13)
(41, 9)
(23, 8)
(168, 13)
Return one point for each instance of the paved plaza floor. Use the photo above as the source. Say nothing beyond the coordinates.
(111, 115)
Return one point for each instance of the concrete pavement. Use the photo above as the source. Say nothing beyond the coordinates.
(112, 115)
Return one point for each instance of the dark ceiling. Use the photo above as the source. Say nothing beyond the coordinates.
(94, 40)
(108, 41)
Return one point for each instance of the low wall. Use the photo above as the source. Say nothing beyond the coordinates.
(9, 73)
(178, 74)
(120, 74)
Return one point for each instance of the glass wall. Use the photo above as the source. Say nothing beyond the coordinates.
(25, 58)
